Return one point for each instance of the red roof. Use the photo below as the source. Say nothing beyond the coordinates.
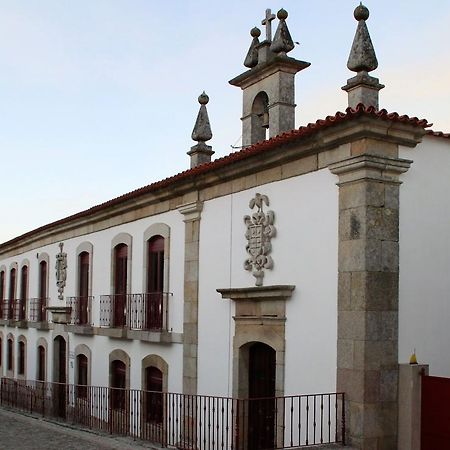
(438, 134)
(258, 148)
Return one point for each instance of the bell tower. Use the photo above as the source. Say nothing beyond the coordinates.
(268, 86)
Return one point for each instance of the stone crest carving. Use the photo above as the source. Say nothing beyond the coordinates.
(61, 271)
(260, 230)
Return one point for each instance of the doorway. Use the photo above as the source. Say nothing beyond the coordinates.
(261, 394)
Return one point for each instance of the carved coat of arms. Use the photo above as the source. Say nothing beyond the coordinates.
(61, 271)
(260, 230)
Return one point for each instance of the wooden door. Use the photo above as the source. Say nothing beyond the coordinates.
(23, 292)
(12, 293)
(155, 283)
(120, 285)
(2, 293)
(42, 291)
(261, 411)
(154, 397)
(83, 287)
(435, 417)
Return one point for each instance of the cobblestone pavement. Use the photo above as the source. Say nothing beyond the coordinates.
(23, 432)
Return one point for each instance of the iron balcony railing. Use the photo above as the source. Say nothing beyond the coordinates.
(38, 312)
(19, 312)
(8, 309)
(81, 308)
(135, 311)
(186, 421)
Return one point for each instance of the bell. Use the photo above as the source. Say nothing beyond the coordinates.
(265, 121)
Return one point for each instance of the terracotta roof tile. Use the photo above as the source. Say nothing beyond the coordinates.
(260, 147)
(438, 134)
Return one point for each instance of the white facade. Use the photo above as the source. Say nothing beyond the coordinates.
(425, 256)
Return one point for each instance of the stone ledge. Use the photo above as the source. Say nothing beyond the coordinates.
(258, 293)
(86, 330)
(157, 337)
(44, 326)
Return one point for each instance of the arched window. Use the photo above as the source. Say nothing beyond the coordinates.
(41, 363)
(120, 284)
(154, 405)
(118, 383)
(260, 117)
(155, 282)
(43, 291)
(12, 291)
(83, 286)
(9, 355)
(82, 375)
(2, 292)
(20, 315)
(21, 359)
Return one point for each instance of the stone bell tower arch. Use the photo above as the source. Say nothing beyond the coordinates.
(268, 86)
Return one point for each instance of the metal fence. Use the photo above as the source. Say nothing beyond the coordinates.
(186, 421)
(135, 311)
(81, 310)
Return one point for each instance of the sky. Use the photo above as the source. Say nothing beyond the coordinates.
(99, 97)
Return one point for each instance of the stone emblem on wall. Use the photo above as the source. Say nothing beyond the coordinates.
(260, 230)
(61, 271)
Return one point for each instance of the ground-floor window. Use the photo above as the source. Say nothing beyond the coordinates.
(82, 375)
(118, 383)
(21, 359)
(154, 405)
(9, 365)
(41, 363)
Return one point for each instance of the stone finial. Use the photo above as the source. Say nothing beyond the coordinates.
(362, 55)
(201, 153)
(363, 88)
(282, 41)
(251, 60)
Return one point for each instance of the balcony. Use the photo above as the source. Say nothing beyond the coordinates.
(7, 310)
(19, 310)
(81, 310)
(142, 312)
(38, 314)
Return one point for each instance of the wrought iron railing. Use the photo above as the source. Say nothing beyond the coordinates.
(186, 421)
(38, 312)
(19, 312)
(8, 308)
(81, 310)
(135, 311)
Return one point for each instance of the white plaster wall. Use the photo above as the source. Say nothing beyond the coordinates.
(424, 313)
(305, 255)
(101, 268)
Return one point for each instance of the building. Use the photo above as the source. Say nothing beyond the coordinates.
(314, 260)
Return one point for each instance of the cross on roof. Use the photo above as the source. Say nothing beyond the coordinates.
(267, 21)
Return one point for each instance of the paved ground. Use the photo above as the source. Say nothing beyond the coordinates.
(23, 432)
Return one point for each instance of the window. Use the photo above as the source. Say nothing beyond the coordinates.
(154, 409)
(82, 375)
(1, 352)
(21, 359)
(2, 292)
(120, 284)
(118, 383)
(41, 363)
(155, 282)
(23, 294)
(42, 291)
(12, 292)
(83, 287)
(9, 365)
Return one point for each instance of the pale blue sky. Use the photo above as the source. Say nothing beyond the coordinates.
(99, 97)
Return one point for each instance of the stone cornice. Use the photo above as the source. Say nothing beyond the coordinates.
(372, 167)
(258, 293)
(191, 211)
(205, 182)
(277, 64)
